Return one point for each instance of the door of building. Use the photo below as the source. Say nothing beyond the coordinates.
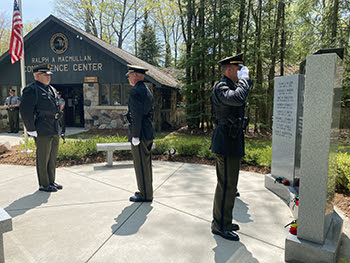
(74, 109)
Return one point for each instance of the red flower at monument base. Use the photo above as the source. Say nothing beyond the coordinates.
(297, 203)
(293, 230)
(286, 182)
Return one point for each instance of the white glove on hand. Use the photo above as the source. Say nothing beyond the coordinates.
(32, 133)
(243, 73)
(135, 141)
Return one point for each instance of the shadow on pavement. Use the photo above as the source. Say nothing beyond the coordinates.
(230, 251)
(240, 213)
(25, 203)
(125, 215)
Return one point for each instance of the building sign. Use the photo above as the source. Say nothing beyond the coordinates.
(90, 79)
(59, 43)
(67, 63)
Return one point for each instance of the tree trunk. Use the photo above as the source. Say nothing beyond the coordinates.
(334, 23)
(240, 26)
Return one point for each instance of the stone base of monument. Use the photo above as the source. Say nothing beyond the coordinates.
(287, 193)
(300, 250)
(5, 226)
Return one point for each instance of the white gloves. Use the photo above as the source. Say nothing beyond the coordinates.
(32, 133)
(243, 73)
(135, 141)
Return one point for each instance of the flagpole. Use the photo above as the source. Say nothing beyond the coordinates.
(23, 75)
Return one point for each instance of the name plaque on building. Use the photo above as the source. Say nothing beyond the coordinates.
(90, 79)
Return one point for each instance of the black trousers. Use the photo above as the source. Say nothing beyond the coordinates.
(14, 120)
(143, 168)
(46, 156)
(227, 171)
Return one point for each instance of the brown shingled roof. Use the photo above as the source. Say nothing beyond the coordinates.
(154, 72)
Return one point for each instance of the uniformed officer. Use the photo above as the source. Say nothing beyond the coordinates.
(141, 132)
(40, 114)
(61, 104)
(228, 99)
(12, 106)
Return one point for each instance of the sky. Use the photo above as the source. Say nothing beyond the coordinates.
(31, 9)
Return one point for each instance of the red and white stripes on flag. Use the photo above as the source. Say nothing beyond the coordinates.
(16, 42)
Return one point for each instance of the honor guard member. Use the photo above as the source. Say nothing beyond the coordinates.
(141, 132)
(61, 104)
(228, 99)
(40, 114)
(12, 106)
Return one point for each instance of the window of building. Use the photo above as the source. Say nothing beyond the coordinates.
(114, 94)
(166, 99)
(105, 94)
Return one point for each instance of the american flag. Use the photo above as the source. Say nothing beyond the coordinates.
(16, 42)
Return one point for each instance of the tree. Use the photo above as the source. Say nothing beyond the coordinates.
(148, 48)
(5, 32)
(165, 16)
(111, 21)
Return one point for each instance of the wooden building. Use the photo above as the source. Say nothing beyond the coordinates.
(91, 75)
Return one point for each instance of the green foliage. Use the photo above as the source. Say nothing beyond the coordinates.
(258, 153)
(149, 49)
(341, 167)
(188, 147)
(162, 146)
(28, 145)
(205, 150)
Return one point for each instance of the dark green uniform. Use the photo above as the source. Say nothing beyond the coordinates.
(39, 110)
(228, 103)
(140, 116)
(13, 112)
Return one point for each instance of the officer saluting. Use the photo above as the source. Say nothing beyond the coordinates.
(40, 113)
(141, 132)
(228, 98)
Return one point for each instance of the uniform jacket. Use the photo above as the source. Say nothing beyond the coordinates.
(140, 111)
(39, 108)
(228, 102)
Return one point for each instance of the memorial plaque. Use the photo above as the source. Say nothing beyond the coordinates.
(285, 123)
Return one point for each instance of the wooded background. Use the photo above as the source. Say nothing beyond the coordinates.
(192, 35)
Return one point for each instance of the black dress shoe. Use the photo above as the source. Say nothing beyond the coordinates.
(235, 227)
(237, 194)
(48, 188)
(224, 233)
(58, 186)
(136, 198)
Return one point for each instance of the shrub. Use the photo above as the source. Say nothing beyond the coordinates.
(258, 155)
(162, 146)
(341, 167)
(205, 151)
(187, 147)
(28, 145)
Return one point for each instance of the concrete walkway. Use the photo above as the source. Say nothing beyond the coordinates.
(91, 219)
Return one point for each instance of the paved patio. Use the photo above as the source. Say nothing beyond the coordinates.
(91, 219)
